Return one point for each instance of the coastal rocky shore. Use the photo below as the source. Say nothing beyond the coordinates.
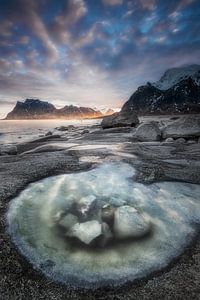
(159, 148)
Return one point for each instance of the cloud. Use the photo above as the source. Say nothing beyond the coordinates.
(74, 10)
(92, 53)
(5, 28)
(184, 3)
(24, 40)
(112, 2)
(148, 4)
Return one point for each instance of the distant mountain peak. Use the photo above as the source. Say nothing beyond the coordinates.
(38, 109)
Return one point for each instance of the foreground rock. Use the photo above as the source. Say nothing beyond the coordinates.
(185, 127)
(148, 132)
(127, 118)
(68, 221)
(129, 223)
(86, 232)
(65, 128)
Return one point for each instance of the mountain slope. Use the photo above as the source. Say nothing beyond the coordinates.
(32, 109)
(37, 109)
(183, 97)
(81, 112)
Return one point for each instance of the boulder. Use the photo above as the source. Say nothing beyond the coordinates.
(68, 221)
(86, 232)
(148, 132)
(49, 133)
(185, 127)
(129, 223)
(62, 128)
(71, 127)
(169, 140)
(120, 119)
(180, 141)
(85, 131)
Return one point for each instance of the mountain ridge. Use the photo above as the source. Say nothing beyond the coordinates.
(37, 109)
(183, 96)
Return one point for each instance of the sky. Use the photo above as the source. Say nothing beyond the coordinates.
(92, 52)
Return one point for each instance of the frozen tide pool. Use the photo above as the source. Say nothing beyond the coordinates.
(48, 217)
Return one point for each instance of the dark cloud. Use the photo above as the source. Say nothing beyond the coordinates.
(68, 49)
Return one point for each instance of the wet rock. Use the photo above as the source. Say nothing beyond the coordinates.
(62, 128)
(85, 131)
(71, 127)
(107, 213)
(86, 232)
(45, 138)
(119, 119)
(148, 132)
(190, 142)
(185, 127)
(49, 133)
(169, 140)
(86, 205)
(128, 222)
(180, 141)
(11, 150)
(68, 221)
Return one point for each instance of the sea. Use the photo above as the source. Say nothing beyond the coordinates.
(18, 131)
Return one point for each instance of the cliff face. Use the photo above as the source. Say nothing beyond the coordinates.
(32, 109)
(183, 97)
(37, 109)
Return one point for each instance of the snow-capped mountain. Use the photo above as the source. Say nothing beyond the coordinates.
(183, 97)
(173, 76)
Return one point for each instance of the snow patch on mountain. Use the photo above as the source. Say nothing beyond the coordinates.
(174, 75)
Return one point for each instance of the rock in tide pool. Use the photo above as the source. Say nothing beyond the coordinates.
(107, 213)
(68, 221)
(148, 132)
(86, 205)
(86, 232)
(128, 222)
